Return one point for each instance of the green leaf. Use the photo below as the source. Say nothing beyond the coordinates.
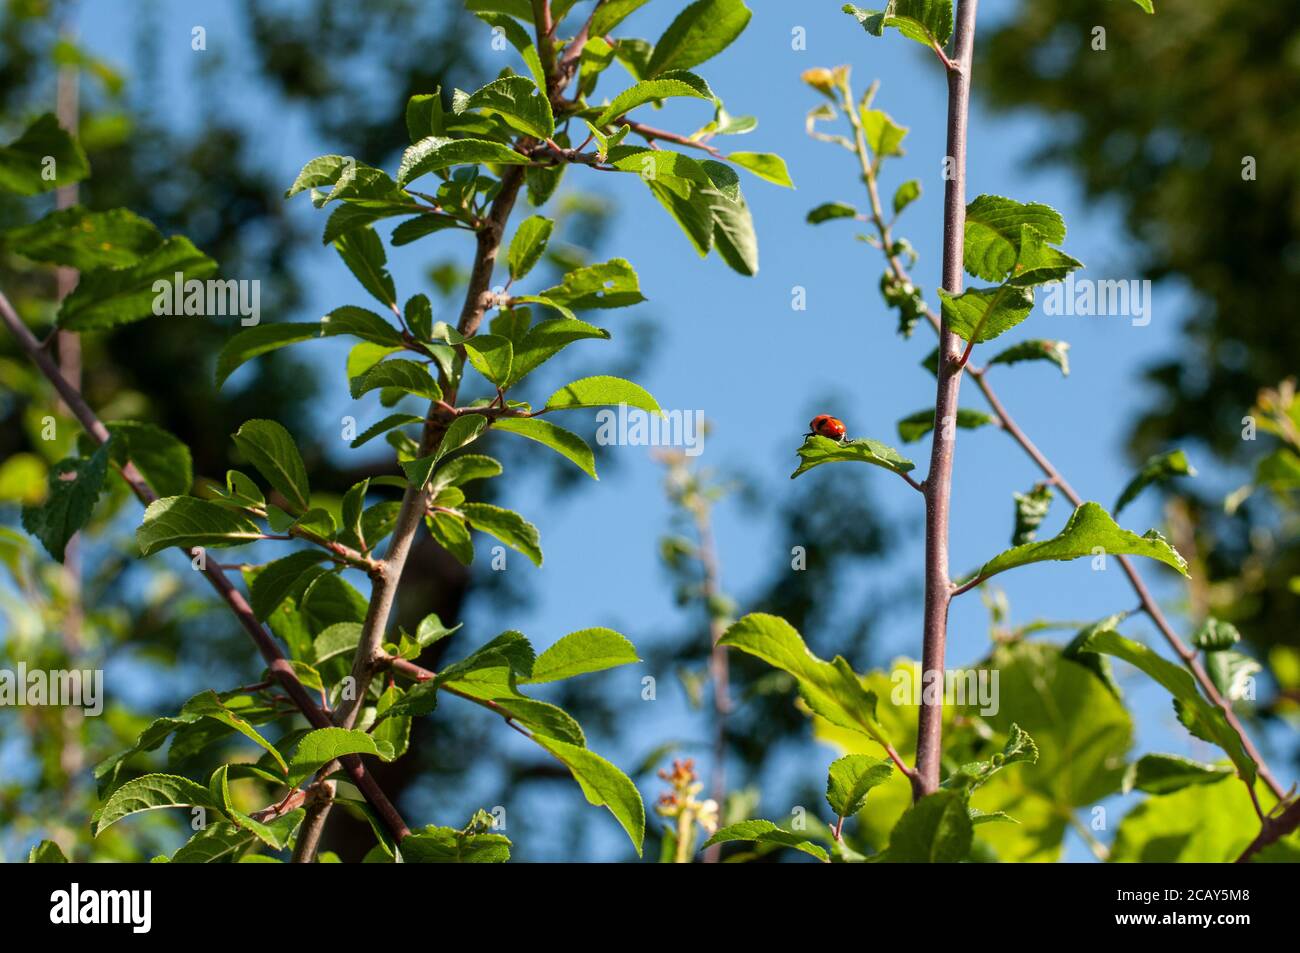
(437, 153)
(1161, 468)
(765, 165)
(520, 39)
(444, 845)
(407, 376)
(463, 431)
(46, 852)
(907, 193)
(185, 521)
(884, 136)
(258, 340)
(1166, 773)
(507, 526)
(43, 158)
(588, 650)
(150, 792)
(161, 458)
(360, 323)
(1205, 824)
(602, 392)
(935, 830)
(1089, 532)
(1031, 510)
(680, 184)
(323, 170)
(491, 355)
(917, 425)
(611, 13)
(78, 238)
(765, 832)
(107, 297)
(733, 225)
(611, 284)
(1037, 350)
(674, 84)
(463, 469)
(528, 244)
(273, 451)
(603, 784)
(517, 100)
(817, 450)
(564, 442)
(926, 21)
(606, 142)
(1038, 263)
(337, 639)
(851, 778)
(829, 211)
(1146, 5)
(323, 745)
(831, 689)
(546, 339)
(1202, 720)
(207, 704)
(982, 314)
(994, 229)
(279, 578)
(363, 253)
(75, 485)
(700, 32)
(383, 426)
(1019, 748)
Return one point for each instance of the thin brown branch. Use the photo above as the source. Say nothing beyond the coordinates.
(277, 664)
(938, 483)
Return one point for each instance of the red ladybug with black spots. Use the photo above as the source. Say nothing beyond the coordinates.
(824, 425)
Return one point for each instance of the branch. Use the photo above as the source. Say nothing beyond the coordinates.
(938, 483)
(279, 666)
(1275, 828)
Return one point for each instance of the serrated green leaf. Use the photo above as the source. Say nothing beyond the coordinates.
(363, 253)
(831, 689)
(74, 488)
(46, 852)
(564, 442)
(611, 284)
(463, 431)
(273, 451)
(279, 578)
(437, 152)
(1089, 532)
(926, 21)
(186, 521)
(817, 450)
(406, 376)
(43, 158)
(150, 792)
(588, 650)
(492, 356)
(603, 784)
(324, 745)
(907, 193)
(79, 238)
(520, 39)
(935, 830)
(1031, 510)
(982, 314)
(851, 778)
(884, 136)
(107, 297)
(258, 340)
(161, 458)
(360, 323)
(765, 165)
(507, 526)
(1166, 773)
(765, 832)
(700, 32)
(678, 83)
(1160, 468)
(917, 425)
(1037, 350)
(528, 244)
(519, 103)
(994, 228)
(546, 339)
(602, 392)
(337, 639)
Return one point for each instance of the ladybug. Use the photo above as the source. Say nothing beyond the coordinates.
(824, 425)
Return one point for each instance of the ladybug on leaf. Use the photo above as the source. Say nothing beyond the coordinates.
(824, 425)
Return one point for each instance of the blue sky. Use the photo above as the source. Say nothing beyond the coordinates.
(734, 348)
